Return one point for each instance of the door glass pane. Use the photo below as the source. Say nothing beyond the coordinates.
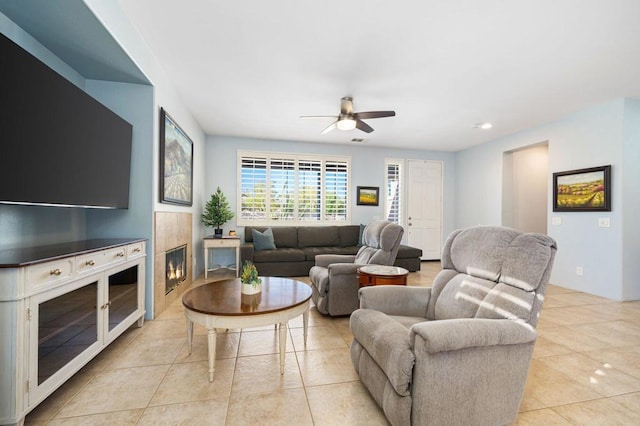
(123, 295)
(67, 325)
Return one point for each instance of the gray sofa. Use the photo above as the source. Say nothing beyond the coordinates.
(297, 247)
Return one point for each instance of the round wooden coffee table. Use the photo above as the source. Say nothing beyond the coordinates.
(221, 305)
(382, 275)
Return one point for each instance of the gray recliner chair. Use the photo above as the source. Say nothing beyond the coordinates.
(334, 280)
(457, 353)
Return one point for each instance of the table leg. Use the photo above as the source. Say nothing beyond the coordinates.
(189, 335)
(211, 338)
(283, 344)
(305, 324)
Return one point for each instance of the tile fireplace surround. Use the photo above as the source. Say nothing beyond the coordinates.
(171, 230)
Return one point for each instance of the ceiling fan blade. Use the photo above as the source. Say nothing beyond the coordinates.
(330, 127)
(373, 114)
(318, 116)
(363, 126)
(346, 106)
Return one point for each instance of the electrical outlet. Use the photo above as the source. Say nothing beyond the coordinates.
(579, 271)
(604, 222)
(556, 220)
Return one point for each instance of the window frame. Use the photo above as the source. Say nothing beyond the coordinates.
(297, 157)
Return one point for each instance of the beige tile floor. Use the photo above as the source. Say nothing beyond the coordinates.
(585, 371)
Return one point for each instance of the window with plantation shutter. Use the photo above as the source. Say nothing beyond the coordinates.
(309, 190)
(393, 186)
(295, 189)
(335, 191)
(253, 188)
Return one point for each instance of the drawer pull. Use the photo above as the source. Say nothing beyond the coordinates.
(105, 306)
(55, 272)
(136, 250)
(120, 254)
(90, 263)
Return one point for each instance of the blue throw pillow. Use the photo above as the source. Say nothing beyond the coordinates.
(360, 236)
(263, 240)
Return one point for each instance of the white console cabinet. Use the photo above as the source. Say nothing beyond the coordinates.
(59, 307)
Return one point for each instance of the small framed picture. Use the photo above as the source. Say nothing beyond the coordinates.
(368, 196)
(583, 190)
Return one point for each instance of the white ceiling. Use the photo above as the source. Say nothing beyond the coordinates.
(250, 68)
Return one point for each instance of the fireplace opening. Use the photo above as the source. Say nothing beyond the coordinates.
(176, 267)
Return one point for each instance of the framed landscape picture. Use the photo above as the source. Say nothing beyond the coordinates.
(367, 196)
(176, 163)
(583, 190)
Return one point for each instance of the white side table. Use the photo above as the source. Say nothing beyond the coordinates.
(224, 242)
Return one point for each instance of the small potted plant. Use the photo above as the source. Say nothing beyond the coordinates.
(217, 212)
(251, 283)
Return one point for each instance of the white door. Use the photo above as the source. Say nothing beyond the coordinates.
(424, 207)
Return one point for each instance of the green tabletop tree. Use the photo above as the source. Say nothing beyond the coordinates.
(217, 212)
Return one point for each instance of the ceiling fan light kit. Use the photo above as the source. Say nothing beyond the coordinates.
(346, 124)
(349, 120)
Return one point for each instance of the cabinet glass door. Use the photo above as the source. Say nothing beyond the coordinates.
(67, 325)
(123, 295)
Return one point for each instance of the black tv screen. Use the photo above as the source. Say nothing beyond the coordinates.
(59, 145)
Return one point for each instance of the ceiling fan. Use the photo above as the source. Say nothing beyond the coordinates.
(349, 120)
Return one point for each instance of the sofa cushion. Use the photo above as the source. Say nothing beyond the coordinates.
(279, 255)
(310, 253)
(407, 252)
(263, 240)
(349, 235)
(318, 236)
(283, 236)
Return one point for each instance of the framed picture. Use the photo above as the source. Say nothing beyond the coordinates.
(367, 196)
(176, 163)
(584, 190)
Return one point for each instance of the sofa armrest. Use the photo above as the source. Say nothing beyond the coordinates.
(396, 300)
(455, 334)
(246, 253)
(325, 260)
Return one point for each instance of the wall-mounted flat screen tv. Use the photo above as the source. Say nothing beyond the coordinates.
(59, 146)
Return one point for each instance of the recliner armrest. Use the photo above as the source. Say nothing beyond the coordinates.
(343, 269)
(396, 300)
(461, 333)
(325, 260)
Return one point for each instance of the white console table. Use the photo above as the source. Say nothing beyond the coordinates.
(217, 243)
(60, 305)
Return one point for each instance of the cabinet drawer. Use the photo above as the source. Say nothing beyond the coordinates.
(49, 273)
(92, 261)
(135, 250)
(116, 255)
(89, 262)
(221, 242)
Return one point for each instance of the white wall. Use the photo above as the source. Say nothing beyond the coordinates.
(588, 138)
(525, 189)
(631, 205)
(367, 169)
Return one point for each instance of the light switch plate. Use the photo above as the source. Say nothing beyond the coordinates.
(556, 220)
(604, 222)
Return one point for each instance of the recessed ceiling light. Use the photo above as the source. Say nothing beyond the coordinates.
(483, 126)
